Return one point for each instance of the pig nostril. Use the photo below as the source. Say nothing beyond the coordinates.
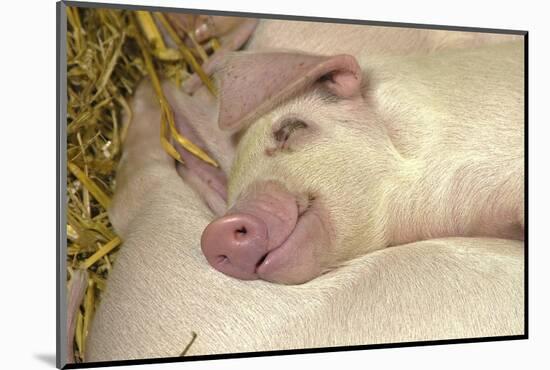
(240, 233)
(222, 259)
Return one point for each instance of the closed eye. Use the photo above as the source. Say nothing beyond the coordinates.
(286, 129)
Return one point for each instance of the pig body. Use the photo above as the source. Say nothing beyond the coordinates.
(161, 290)
(363, 41)
(353, 153)
(395, 147)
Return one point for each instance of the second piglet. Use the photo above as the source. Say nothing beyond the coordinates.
(337, 157)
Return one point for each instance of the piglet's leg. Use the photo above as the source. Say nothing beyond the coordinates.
(231, 42)
(144, 164)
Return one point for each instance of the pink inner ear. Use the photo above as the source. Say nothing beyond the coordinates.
(344, 84)
(253, 83)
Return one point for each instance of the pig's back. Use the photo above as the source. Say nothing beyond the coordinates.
(330, 38)
(361, 40)
(156, 299)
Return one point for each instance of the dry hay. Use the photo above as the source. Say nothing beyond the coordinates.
(108, 52)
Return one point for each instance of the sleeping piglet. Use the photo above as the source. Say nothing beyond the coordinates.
(161, 289)
(339, 155)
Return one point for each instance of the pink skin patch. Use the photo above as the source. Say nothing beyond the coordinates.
(296, 260)
(269, 234)
(190, 113)
(234, 41)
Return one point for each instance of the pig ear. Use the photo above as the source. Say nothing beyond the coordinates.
(251, 84)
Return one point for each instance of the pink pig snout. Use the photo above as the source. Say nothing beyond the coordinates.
(236, 244)
(244, 243)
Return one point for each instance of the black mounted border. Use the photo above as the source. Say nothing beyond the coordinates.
(61, 162)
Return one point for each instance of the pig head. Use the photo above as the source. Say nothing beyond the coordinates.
(337, 157)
